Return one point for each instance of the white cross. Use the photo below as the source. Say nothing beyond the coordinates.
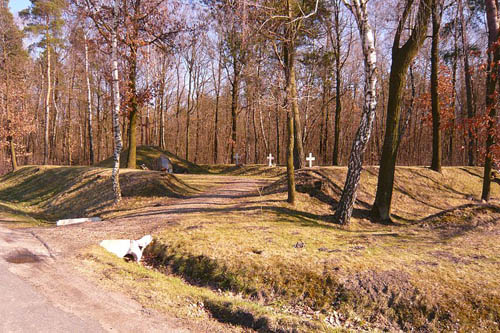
(310, 159)
(237, 158)
(270, 158)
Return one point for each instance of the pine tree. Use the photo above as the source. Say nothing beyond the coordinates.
(44, 18)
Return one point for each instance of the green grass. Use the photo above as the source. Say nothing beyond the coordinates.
(14, 216)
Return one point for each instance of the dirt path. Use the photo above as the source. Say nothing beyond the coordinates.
(42, 257)
(227, 192)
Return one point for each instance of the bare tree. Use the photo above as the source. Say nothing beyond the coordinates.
(491, 93)
(345, 206)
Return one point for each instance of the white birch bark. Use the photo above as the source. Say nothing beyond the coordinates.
(345, 206)
(116, 109)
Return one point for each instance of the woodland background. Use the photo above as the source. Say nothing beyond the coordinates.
(189, 68)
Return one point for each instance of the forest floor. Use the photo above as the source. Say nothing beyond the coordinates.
(230, 254)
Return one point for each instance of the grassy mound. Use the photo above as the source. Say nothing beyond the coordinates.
(434, 270)
(147, 155)
(418, 192)
(253, 170)
(51, 193)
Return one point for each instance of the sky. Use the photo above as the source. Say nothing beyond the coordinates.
(17, 5)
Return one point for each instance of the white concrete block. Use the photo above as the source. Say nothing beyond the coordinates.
(77, 221)
(123, 247)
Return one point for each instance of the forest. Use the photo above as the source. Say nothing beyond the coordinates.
(330, 165)
(413, 82)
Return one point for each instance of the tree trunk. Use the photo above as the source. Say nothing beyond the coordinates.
(338, 91)
(132, 129)
(325, 102)
(47, 108)
(338, 111)
(89, 102)
(401, 60)
(116, 109)
(278, 150)
(290, 100)
(217, 81)
(491, 85)
(298, 148)
(468, 84)
(349, 194)
(436, 112)
(234, 110)
(12, 149)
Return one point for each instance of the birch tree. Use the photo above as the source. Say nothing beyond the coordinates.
(344, 209)
(116, 106)
(107, 22)
(89, 99)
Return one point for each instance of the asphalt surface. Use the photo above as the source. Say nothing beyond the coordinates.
(42, 293)
(22, 307)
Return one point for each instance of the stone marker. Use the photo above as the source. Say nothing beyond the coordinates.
(164, 164)
(270, 158)
(77, 221)
(237, 158)
(127, 247)
(310, 159)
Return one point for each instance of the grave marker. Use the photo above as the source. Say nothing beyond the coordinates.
(270, 158)
(310, 159)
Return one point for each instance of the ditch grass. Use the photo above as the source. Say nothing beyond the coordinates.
(219, 310)
(251, 170)
(440, 276)
(49, 193)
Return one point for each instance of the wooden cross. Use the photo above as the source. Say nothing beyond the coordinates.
(310, 159)
(270, 158)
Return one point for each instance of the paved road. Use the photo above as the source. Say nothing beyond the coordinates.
(40, 293)
(22, 307)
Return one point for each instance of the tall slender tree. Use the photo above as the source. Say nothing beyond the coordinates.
(468, 82)
(493, 21)
(348, 198)
(436, 112)
(44, 18)
(402, 56)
